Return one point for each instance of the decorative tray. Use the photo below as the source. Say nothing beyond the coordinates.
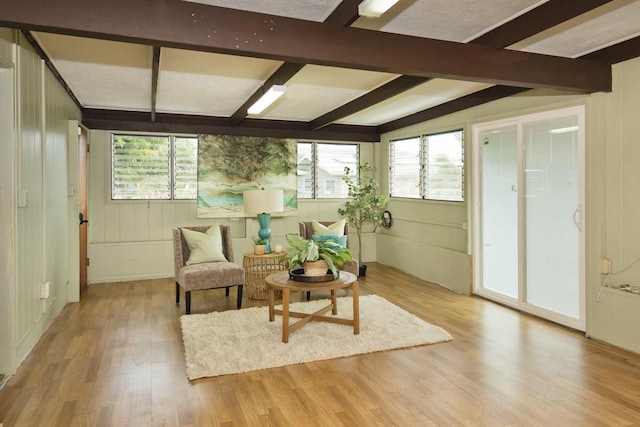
(299, 276)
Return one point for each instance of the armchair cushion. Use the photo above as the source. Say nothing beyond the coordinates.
(307, 230)
(335, 229)
(210, 275)
(341, 240)
(204, 247)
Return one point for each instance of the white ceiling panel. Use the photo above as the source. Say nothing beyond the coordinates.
(207, 83)
(612, 23)
(316, 90)
(115, 75)
(311, 10)
(460, 21)
(427, 95)
(101, 73)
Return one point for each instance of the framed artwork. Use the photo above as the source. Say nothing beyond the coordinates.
(229, 165)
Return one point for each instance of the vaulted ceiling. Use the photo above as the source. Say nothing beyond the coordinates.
(196, 66)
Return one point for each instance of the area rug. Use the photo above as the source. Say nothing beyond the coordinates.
(244, 340)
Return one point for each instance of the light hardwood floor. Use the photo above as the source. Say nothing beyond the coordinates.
(116, 359)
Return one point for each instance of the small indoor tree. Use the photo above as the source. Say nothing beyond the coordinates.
(364, 205)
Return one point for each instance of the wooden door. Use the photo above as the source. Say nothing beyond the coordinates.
(83, 150)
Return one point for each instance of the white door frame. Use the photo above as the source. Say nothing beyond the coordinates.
(8, 224)
(519, 302)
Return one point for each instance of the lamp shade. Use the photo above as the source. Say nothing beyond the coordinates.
(263, 201)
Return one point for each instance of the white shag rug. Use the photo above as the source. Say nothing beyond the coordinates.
(244, 340)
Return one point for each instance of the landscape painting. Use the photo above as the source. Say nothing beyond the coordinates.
(229, 165)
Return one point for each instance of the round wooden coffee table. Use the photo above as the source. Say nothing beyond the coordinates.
(280, 282)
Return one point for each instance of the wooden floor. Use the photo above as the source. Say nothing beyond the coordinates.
(116, 359)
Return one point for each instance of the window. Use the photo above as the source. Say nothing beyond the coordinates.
(329, 186)
(405, 166)
(428, 167)
(321, 167)
(305, 170)
(443, 175)
(145, 167)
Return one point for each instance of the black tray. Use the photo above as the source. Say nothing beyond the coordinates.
(299, 276)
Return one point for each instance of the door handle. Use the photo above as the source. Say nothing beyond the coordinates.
(82, 220)
(575, 215)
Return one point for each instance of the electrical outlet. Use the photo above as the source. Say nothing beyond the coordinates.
(606, 265)
(44, 290)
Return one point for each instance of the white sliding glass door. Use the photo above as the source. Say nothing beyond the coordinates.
(529, 239)
(499, 210)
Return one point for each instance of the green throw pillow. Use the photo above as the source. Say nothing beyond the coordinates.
(341, 240)
(335, 229)
(204, 247)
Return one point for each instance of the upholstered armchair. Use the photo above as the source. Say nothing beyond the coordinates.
(194, 274)
(306, 231)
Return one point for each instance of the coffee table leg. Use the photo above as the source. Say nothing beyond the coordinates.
(334, 310)
(285, 315)
(356, 309)
(272, 315)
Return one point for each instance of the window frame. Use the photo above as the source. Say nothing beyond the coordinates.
(172, 167)
(315, 160)
(424, 167)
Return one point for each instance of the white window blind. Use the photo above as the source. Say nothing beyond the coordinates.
(428, 167)
(185, 168)
(405, 165)
(321, 168)
(444, 169)
(145, 167)
(140, 167)
(305, 170)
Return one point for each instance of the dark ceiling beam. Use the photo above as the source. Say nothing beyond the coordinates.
(526, 25)
(535, 21)
(386, 91)
(611, 55)
(155, 69)
(36, 46)
(183, 123)
(344, 14)
(477, 98)
(188, 25)
(618, 52)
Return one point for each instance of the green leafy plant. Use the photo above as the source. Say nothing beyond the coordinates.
(258, 241)
(365, 205)
(334, 254)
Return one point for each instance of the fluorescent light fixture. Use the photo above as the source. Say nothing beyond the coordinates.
(267, 99)
(375, 8)
(564, 130)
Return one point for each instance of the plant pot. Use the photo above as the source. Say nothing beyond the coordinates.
(259, 249)
(315, 268)
(362, 270)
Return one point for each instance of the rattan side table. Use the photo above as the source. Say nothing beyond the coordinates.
(256, 268)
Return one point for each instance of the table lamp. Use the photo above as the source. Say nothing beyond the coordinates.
(263, 203)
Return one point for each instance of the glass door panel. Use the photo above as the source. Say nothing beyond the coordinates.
(499, 210)
(552, 211)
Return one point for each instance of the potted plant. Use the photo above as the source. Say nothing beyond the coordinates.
(364, 205)
(259, 245)
(305, 253)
